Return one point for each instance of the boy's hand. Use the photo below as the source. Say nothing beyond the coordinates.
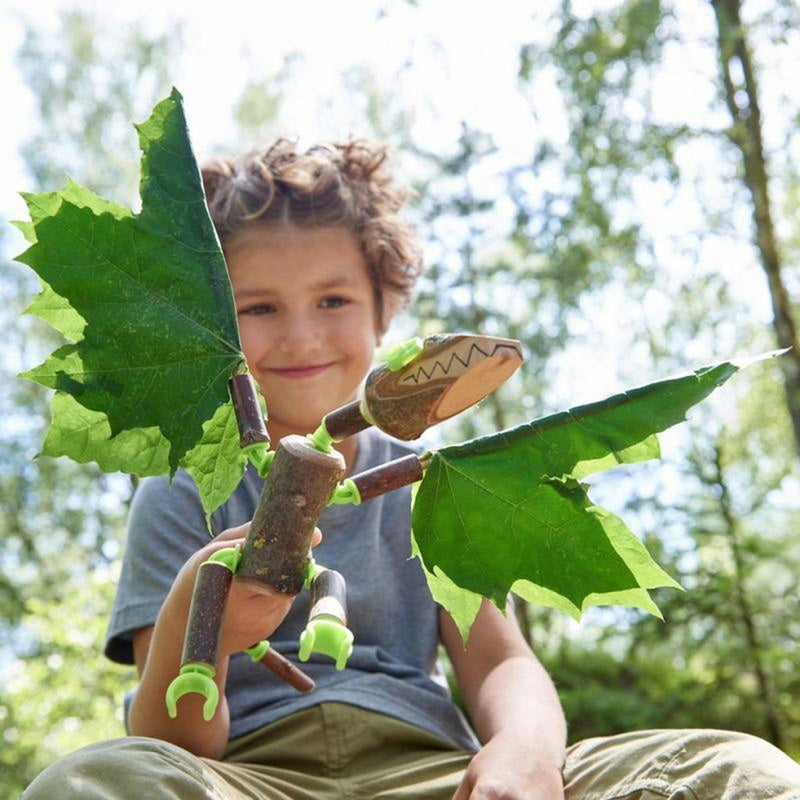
(251, 615)
(502, 770)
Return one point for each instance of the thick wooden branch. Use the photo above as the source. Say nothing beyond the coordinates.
(300, 481)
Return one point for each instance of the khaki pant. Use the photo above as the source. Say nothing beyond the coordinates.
(339, 751)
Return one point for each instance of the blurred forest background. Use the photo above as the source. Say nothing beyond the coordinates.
(628, 244)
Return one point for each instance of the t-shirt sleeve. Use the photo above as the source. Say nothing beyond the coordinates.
(166, 525)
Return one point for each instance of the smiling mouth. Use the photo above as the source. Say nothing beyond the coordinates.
(302, 371)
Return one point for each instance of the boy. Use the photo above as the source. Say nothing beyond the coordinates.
(319, 262)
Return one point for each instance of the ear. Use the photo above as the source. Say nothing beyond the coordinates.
(384, 312)
(379, 325)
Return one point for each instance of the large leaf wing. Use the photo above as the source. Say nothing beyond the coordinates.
(146, 305)
(160, 341)
(508, 512)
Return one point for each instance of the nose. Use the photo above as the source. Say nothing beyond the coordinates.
(299, 333)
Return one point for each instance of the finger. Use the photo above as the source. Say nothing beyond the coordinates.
(228, 538)
(316, 537)
(239, 532)
(221, 544)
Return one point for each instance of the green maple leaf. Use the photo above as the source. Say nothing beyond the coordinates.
(508, 512)
(146, 303)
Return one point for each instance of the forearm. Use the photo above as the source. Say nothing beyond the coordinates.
(517, 701)
(148, 712)
(515, 710)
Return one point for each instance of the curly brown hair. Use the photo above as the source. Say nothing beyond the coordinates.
(343, 185)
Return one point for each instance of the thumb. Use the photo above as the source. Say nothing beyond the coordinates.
(463, 791)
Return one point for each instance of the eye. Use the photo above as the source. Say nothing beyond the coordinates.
(258, 309)
(334, 301)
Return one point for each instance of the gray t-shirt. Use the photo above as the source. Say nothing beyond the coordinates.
(393, 668)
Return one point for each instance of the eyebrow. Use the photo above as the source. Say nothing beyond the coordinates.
(341, 281)
(335, 282)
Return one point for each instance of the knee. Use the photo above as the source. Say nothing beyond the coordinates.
(726, 745)
(121, 769)
(745, 748)
(683, 763)
(743, 760)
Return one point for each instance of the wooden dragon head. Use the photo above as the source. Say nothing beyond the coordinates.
(443, 375)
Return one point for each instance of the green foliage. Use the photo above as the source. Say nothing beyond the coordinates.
(695, 668)
(719, 514)
(579, 212)
(731, 481)
(258, 108)
(89, 76)
(479, 280)
(145, 385)
(508, 512)
(62, 522)
(60, 694)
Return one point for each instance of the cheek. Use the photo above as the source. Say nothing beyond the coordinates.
(359, 335)
(252, 339)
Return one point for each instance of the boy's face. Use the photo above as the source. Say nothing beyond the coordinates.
(307, 320)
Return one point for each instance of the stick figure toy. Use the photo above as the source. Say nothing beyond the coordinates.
(422, 383)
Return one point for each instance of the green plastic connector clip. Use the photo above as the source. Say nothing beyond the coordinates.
(197, 679)
(260, 457)
(258, 651)
(313, 570)
(321, 439)
(346, 493)
(328, 636)
(403, 354)
(228, 556)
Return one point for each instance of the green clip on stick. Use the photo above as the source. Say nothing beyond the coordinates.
(203, 632)
(327, 630)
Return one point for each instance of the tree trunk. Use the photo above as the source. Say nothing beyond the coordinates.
(741, 98)
(742, 600)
